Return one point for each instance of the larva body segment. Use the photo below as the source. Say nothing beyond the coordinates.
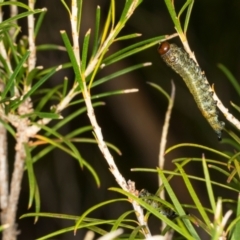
(195, 80)
(152, 200)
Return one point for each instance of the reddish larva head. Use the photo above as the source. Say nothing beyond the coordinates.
(163, 48)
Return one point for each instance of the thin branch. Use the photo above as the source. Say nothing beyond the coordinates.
(21, 138)
(13, 12)
(31, 40)
(112, 235)
(75, 33)
(91, 114)
(226, 112)
(3, 173)
(163, 143)
(4, 184)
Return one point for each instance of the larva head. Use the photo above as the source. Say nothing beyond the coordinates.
(163, 48)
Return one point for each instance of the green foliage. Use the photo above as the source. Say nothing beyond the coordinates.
(22, 84)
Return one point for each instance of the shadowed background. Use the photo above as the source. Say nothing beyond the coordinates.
(134, 122)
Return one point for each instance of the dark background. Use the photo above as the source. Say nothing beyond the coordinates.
(134, 122)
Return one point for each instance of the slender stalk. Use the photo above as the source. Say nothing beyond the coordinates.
(3, 173)
(3, 152)
(31, 40)
(21, 138)
(92, 117)
(163, 144)
(13, 12)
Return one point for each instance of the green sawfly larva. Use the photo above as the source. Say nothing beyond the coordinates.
(196, 81)
(152, 200)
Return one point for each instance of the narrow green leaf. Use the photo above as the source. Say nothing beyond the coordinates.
(10, 82)
(197, 146)
(47, 70)
(72, 58)
(172, 12)
(31, 75)
(119, 73)
(233, 158)
(135, 232)
(39, 22)
(94, 141)
(129, 8)
(49, 148)
(118, 222)
(85, 50)
(47, 47)
(18, 16)
(127, 37)
(194, 196)
(93, 172)
(90, 226)
(209, 184)
(66, 6)
(43, 115)
(31, 175)
(160, 90)
(177, 205)
(72, 149)
(37, 202)
(234, 225)
(48, 96)
(106, 25)
(19, 4)
(36, 86)
(3, 227)
(113, 11)
(16, 54)
(132, 49)
(79, 15)
(224, 172)
(5, 67)
(235, 106)
(234, 136)
(230, 77)
(96, 32)
(187, 19)
(97, 206)
(8, 127)
(155, 212)
(106, 94)
(65, 87)
(68, 118)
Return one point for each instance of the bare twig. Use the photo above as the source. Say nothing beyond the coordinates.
(112, 235)
(13, 12)
(91, 114)
(3, 151)
(3, 173)
(21, 138)
(31, 41)
(163, 143)
(163, 140)
(226, 113)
